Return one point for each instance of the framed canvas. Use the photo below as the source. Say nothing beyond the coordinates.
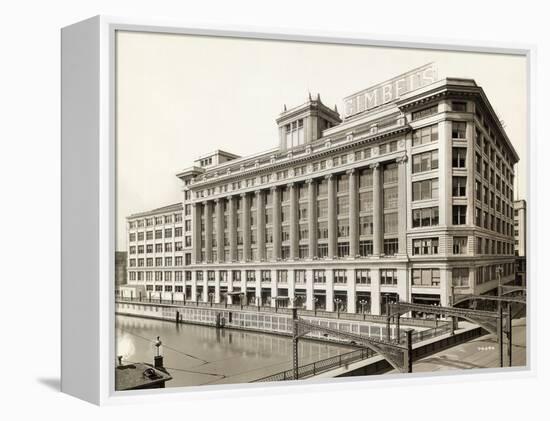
(250, 211)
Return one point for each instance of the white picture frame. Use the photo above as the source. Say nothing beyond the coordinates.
(88, 196)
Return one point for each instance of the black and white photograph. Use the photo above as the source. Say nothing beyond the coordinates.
(291, 210)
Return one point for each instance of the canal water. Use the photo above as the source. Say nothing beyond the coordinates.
(199, 355)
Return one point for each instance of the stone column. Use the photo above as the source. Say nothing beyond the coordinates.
(208, 231)
(353, 214)
(377, 212)
(273, 286)
(331, 216)
(246, 226)
(217, 288)
(351, 293)
(402, 204)
(375, 292)
(258, 286)
(205, 296)
(403, 285)
(329, 275)
(219, 228)
(194, 286)
(276, 199)
(293, 221)
(309, 289)
(312, 215)
(229, 286)
(445, 170)
(232, 229)
(196, 250)
(260, 220)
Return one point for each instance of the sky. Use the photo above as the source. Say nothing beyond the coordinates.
(182, 96)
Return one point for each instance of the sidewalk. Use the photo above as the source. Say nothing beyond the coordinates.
(482, 352)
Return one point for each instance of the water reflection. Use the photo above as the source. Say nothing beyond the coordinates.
(197, 355)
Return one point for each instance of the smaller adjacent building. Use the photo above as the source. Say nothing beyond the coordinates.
(520, 240)
(121, 266)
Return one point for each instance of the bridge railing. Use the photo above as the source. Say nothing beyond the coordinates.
(281, 310)
(321, 366)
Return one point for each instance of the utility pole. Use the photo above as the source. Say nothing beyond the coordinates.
(509, 334)
(499, 311)
(295, 342)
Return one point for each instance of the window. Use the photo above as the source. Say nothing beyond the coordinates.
(390, 197)
(426, 189)
(167, 261)
(388, 277)
(390, 173)
(294, 133)
(132, 249)
(133, 236)
(425, 217)
(365, 248)
(362, 276)
(365, 178)
(158, 234)
(340, 276)
(425, 161)
(179, 260)
(365, 225)
(303, 251)
(343, 227)
(282, 276)
(322, 230)
(342, 205)
(140, 236)
(425, 135)
(177, 232)
(319, 276)
(458, 106)
(459, 214)
(300, 276)
(390, 223)
(322, 250)
(425, 246)
(425, 277)
(459, 130)
(149, 235)
(390, 246)
(460, 245)
(343, 249)
(365, 201)
(424, 112)
(461, 277)
(459, 186)
(459, 157)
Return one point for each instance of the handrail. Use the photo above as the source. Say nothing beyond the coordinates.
(321, 366)
(282, 310)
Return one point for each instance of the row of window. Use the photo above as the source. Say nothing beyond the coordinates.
(157, 220)
(156, 234)
(339, 276)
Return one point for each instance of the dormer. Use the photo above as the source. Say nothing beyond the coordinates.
(305, 124)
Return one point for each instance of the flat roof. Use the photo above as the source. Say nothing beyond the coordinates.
(169, 208)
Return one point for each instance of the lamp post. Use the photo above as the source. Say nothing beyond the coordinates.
(315, 301)
(338, 301)
(499, 312)
(363, 303)
(210, 298)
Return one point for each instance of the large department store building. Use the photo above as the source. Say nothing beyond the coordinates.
(408, 195)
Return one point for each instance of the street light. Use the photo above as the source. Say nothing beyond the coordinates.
(363, 303)
(315, 301)
(211, 297)
(338, 301)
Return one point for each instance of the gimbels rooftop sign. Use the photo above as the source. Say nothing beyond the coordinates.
(390, 90)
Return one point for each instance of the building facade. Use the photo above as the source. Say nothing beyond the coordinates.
(409, 196)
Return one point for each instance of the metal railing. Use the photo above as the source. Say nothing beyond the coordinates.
(318, 367)
(283, 310)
